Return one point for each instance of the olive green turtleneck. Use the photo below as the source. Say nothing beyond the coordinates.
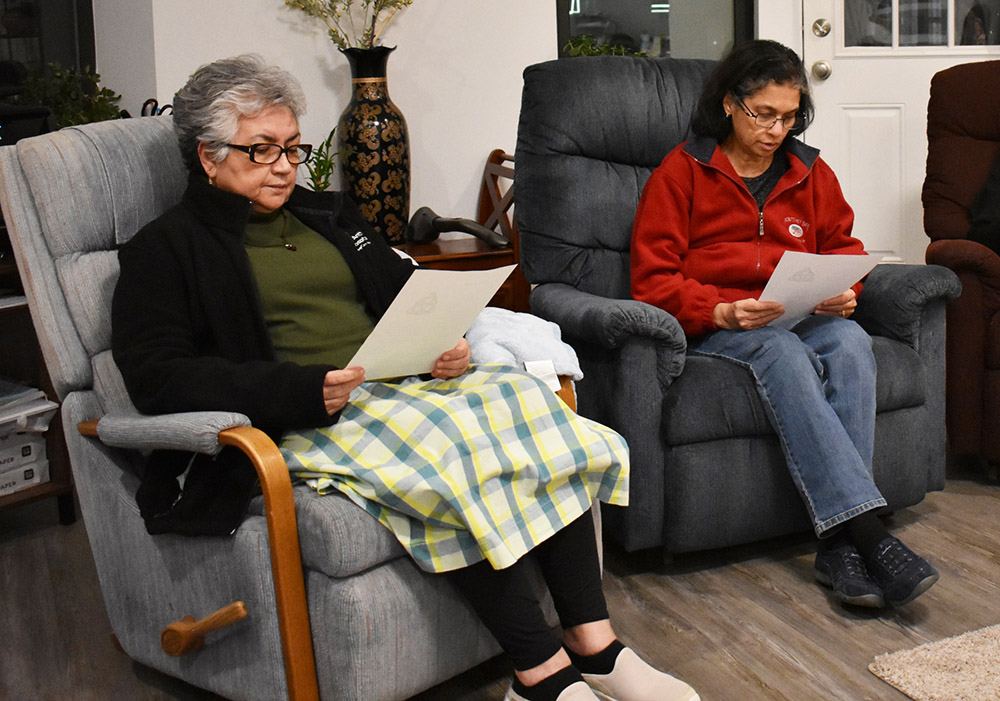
(312, 306)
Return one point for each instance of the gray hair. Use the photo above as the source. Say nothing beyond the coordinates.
(217, 95)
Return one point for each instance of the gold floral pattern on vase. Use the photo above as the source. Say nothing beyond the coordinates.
(375, 145)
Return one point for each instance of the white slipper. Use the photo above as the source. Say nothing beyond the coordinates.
(634, 680)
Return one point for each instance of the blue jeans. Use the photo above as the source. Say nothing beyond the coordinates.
(817, 381)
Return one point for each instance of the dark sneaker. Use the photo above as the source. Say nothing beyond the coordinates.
(841, 568)
(902, 574)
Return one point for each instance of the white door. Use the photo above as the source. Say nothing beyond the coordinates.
(871, 63)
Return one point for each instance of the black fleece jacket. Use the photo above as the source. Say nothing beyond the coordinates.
(188, 335)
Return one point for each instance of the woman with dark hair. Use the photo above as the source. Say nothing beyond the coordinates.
(253, 294)
(713, 221)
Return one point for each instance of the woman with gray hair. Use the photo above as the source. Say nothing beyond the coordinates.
(252, 295)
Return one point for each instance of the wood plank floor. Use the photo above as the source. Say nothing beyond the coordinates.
(744, 623)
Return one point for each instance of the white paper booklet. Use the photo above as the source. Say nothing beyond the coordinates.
(428, 317)
(803, 280)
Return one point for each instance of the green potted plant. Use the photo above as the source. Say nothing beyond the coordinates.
(322, 163)
(74, 97)
(587, 45)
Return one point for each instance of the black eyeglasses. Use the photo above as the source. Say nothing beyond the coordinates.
(766, 121)
(266, 154)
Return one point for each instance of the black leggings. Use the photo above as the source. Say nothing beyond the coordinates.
(507, 605)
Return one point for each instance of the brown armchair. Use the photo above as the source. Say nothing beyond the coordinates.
(963, 134)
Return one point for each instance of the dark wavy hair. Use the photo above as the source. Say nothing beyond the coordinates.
(744, 71)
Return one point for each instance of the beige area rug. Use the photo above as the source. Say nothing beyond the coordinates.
(963, 668)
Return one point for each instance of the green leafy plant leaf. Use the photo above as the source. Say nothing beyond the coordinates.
(322, 164)
(586, 45)
(75, 97)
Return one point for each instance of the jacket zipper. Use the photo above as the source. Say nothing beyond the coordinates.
(760, 234)
(760, 210)
(760, 217)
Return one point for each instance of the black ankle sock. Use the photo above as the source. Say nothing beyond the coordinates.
(866, 532)
(833, 541)
(602, 662)
(549, 688)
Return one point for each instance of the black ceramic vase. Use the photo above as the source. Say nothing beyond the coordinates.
(375, 146)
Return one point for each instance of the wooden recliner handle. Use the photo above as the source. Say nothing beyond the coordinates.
(188, 635)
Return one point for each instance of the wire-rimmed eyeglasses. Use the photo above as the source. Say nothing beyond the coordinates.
(766, 121)
(266, 154)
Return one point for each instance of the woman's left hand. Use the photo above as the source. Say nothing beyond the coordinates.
(841, 305)
(454, 362)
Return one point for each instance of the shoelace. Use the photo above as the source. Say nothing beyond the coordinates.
(854, 566)
(894, 558)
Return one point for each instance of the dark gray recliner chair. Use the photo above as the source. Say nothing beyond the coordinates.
(707, 469)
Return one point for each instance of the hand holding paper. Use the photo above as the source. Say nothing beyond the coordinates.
(801, 281)
(453, 362)
(428, 317)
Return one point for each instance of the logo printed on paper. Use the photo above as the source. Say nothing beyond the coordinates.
(424, 305)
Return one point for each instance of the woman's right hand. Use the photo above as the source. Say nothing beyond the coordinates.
(746, 314)
(338, 385)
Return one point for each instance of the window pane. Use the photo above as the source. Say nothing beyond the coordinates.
(923, 22)
(679, 28)
(867, 23)
(977, 22)
(622, 23)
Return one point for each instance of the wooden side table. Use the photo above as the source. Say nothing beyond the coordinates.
(458, 251)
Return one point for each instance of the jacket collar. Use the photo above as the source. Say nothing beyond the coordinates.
(230, 212)
(218, 209)
(702, 148)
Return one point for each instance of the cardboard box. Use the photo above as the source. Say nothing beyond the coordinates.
(24, 476)
(17, 449)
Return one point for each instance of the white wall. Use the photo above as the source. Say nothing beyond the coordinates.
(123, 38)
(456, 74)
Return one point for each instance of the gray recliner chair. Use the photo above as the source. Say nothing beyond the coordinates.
(707, 469)
(333, 605)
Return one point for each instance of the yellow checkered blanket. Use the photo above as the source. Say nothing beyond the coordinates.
(488, 464)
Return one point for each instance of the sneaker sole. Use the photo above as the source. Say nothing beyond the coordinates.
(925, 584)
(873, 601)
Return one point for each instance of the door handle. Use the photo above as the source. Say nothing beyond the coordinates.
(822, 70)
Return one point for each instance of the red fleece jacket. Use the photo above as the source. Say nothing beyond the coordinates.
(699, 238)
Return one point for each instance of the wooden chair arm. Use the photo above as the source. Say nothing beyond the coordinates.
(286, 557)
(566, 392)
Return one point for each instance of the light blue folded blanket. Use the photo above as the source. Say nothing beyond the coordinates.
(511, 338)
